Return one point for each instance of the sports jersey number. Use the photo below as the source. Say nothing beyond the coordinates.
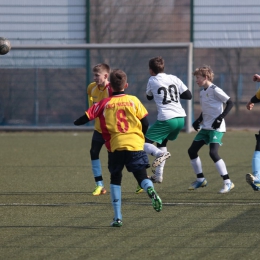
(172, 91)
(122, 124)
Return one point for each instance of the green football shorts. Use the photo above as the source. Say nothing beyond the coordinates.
(169, 129)
(209, 136)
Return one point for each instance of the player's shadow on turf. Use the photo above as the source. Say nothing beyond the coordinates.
(243, 223)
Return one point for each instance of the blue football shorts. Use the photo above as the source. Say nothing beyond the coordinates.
(132, 160)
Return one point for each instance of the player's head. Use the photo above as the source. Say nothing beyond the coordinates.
(101, 73)
(156, 65)
(118, 80)
(204, 71)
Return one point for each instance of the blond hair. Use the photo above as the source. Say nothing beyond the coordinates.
(204, 71)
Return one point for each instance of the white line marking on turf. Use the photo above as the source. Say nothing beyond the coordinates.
(131, 203)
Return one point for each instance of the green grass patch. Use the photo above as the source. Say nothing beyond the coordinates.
(47, 210)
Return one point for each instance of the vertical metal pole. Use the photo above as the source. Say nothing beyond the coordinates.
(36, 101)
(189, 77)
(88, 69)
(190, 69)
(191, 20)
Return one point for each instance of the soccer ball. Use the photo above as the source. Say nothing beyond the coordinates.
(5, 46)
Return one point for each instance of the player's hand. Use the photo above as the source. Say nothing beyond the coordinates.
(256, 77)
(196, 125)
(216, 124)
(249, 105)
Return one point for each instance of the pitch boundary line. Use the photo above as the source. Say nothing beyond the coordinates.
(129, 203)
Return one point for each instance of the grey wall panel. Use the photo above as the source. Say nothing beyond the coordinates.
(233, 23)
(44, 22)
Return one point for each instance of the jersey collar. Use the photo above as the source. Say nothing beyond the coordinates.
(118, 93)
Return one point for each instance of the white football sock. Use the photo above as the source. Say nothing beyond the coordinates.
(159, 169)
(222, 169)
(152, 150)
(196, 165)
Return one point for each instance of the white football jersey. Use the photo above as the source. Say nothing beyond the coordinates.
(166, 90)
(211, 101)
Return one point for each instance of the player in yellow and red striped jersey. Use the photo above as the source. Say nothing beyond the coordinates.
(98, 90)
(120, 114)
(123, 123)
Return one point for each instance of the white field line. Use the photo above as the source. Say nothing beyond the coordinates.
(208, 204)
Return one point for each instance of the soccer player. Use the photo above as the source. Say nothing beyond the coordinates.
(123, 123)
(254, 179)
(166, 90)
(98, 90)
(212, 130)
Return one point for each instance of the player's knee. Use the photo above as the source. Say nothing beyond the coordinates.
(192, 153)
(140, 175)
(214, 156)
(116, 178)
(94, 154)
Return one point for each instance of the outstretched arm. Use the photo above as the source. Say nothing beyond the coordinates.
(81, 120)
(256, 97)
(252, 102)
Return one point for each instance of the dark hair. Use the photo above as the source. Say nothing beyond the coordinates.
(156, 64)
(118, 79)
(102, 67)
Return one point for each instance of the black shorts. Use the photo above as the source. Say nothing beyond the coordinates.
(97, 137)
(132, 160)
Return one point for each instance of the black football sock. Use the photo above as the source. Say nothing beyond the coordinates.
(257, 137)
